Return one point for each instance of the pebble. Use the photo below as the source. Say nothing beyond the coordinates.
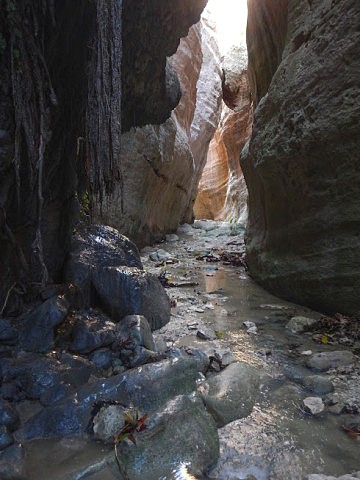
(251, 327)
(307, 353)
(299, 324)
(314, 405)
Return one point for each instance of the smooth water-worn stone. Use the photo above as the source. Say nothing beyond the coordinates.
(12, 463)
(90, 331)
(300, 324)
(327, 360)
(108, 422)
(96, 247)
(128, 291)
(318, 385)
(134, 330)
(231, 394)
(8, 334)
(314, 405)
(147, 387)
(37, 332)
(179, 433)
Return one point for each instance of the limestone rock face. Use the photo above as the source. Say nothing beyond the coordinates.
(222, 193)
(301, 166)
(162, 164)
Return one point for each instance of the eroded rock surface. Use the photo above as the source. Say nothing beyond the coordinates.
(301, 165)
(162, 163)
(222, 193)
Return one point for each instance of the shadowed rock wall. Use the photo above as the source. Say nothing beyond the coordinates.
(161, 164)
(64, 92)
(301, 166)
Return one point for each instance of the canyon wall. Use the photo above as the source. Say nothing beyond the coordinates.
(222, 192)
(301, 165)
(70, 77)
(162, 163)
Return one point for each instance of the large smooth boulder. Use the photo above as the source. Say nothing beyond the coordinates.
(147, 387)
(37, 333)
(129, 290)
(179, 433)
(301, 165)
(231, 394)
(96, 247)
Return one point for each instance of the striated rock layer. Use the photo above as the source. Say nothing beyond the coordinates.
(161, 164)
(301, 166)
(222, 192)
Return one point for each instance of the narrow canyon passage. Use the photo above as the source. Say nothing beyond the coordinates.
(179, 240)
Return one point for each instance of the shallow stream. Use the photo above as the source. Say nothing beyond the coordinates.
(279, 440)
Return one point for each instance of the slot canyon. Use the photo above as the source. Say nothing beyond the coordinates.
(179, 239)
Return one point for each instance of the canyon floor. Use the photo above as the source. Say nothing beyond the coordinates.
(305, 421)
(280, 439)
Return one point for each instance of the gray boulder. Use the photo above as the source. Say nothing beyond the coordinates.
(179, 433)
(96, 247)
(231, 394)
(326, 360)
(147, 387)
(128, 291)
(314, 405)
(300, 324)
(318, 385)
(134, 330)
(37, 332)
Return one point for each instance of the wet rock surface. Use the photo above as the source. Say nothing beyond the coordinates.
(94, 248)
(180, 433)
(231, 394)
(37, 332)
(131, 291)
